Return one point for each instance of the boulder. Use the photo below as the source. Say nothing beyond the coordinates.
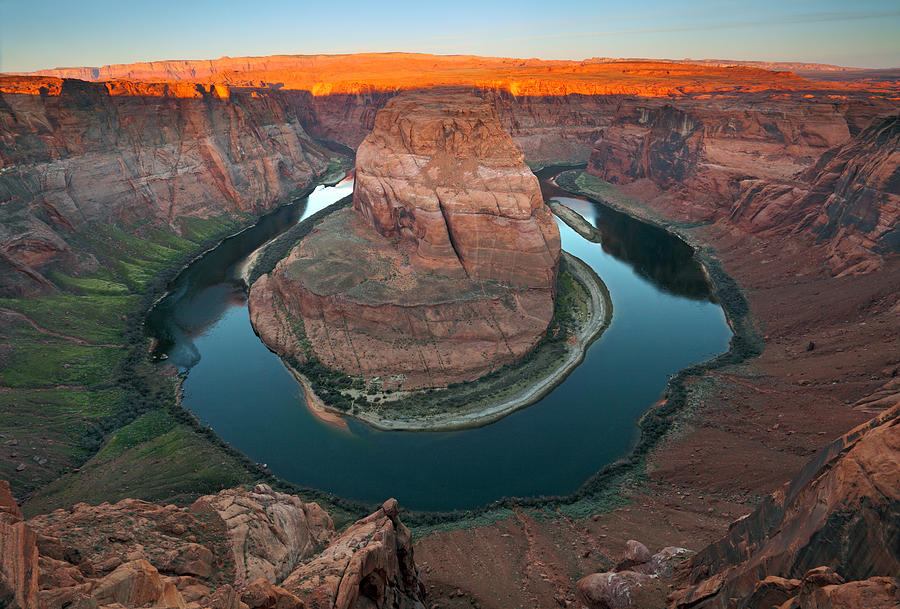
(260, 594)
(636, 554)
(369, 564)
(611, 590)
(136, 584)
(269, 532)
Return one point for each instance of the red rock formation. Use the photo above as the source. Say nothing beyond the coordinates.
(270, 532)
(363, 72)
(456, 279)
(230, 134)
(838, 520)
(18, 566)
(370, 565)
(775, 167)
(9, 509)
(439, 172)
(235, 550)
(850, 199)
(130, 154)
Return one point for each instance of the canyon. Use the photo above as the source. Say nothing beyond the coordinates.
(788, 185)
(443, 270)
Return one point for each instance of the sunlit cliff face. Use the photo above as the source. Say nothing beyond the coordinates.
(353, 74)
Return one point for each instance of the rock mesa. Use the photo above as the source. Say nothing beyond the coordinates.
(445, 268)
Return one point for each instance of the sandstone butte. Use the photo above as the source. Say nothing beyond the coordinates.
(241, 135)
(443, 270)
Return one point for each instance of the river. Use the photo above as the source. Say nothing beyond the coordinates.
(664, 320)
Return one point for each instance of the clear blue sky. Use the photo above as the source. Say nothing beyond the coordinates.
(38, 34)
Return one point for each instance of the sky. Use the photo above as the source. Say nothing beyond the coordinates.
(36, 34)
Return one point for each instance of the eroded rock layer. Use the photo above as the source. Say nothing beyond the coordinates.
(75, 156)
(239, 549)
(445, 268)
(440, 173)
(838, 521)
(824, 171)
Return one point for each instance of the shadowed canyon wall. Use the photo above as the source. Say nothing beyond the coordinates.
(815, 169)
(77, 155)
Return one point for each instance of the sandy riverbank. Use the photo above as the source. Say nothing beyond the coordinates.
(598, 319)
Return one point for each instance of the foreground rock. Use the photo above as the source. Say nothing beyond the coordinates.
(837, 522)
(635, 582)
(369, 565)
(235, 550)
(444, 270)
(270, 532)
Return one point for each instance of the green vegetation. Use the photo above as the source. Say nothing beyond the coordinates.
(86, 412)
(153, 458)
(143, 429)
(354, 394)
(76, 362)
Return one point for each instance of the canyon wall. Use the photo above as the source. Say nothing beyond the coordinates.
(831, 534)
(765, 165)
(75, 155)
(232, 136)
(849, 200)
(199, 137)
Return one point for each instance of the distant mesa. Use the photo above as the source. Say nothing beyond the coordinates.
(443, 270)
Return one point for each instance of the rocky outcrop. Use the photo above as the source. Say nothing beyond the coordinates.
(444, 270)
(849, 200)
(439, 173)
(76, 155)
(270, 532)
(369, 565)
(239, 549)
(838, 521)
(18, 566)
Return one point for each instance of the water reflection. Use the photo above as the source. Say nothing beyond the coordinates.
(201, 294)
(652, 252)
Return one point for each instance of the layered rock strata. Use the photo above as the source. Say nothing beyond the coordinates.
(75, 156)
(849, 200)
(444, 269)
(830, 534)
(824, 172)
